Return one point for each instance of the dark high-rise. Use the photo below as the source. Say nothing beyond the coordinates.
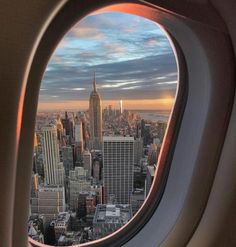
(95, 115)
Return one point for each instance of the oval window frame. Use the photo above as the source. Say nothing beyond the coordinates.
(120, 236)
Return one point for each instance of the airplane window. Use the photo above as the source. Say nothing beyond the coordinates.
(104, 105)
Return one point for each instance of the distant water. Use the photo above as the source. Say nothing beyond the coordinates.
(154, 115)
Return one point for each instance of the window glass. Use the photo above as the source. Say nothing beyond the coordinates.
(103, 109)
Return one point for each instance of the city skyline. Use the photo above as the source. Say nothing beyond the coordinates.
(145, 104)
(133, 62)
(91, 171)
(94, 165)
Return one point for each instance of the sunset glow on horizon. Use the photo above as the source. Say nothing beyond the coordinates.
(145, 104)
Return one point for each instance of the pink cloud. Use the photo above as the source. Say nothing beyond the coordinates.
(151, 42)
(114, 48)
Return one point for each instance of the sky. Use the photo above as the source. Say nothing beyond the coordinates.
(131, 56)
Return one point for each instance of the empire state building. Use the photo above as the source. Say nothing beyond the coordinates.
(95, 116)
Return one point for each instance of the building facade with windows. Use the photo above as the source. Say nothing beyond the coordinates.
(118, 168)
(50, 151)
(49, 201)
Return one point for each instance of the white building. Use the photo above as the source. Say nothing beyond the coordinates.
(118, 168)
(79, 141)
(87, 159)
(50, 150)
(78, 131)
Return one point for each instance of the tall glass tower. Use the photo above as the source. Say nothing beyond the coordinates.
(95, 115)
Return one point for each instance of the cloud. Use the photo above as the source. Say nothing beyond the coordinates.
(62, 44)
(55, 59)
(87, 33)
(167, 82)
(131, 56)
(73, 89)
(119, 83)
(151, 42)
(113, 48)
(161, 77)
(113, 76)
(130, 88)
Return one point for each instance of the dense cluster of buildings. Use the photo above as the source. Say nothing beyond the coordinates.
(92, 171)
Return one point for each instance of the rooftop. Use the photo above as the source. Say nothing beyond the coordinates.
(63, 216)
(118, 138)
(52, 188)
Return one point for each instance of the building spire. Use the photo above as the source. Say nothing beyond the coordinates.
(94, 83)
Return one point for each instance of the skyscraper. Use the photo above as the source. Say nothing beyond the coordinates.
(118, 168)
(50, 150)
(95, 116)
(121, 106)
(87, 160)
(68, 125)
(78, 131)
(59, 127)
(138, 150)
(67, 158)
(79, 142)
